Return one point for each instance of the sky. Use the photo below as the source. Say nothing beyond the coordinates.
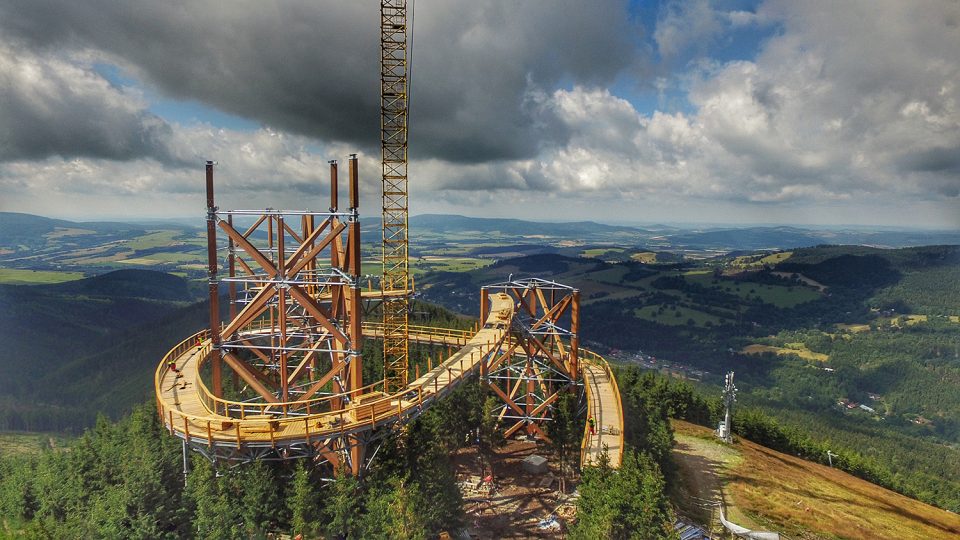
(774, 111)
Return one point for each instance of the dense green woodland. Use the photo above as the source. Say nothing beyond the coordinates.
(124, 480)
(65, 344)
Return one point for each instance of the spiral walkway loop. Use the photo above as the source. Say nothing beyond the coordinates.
(218, 426)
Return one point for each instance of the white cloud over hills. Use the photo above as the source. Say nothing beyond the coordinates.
(850, 106)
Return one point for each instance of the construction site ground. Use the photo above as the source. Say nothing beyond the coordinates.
(522, 502)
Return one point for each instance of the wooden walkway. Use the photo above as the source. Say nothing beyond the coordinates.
(604, 406)
(190, 411)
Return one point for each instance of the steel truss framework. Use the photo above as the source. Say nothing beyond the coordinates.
(294, 329)
(393, 145)
(541, 359)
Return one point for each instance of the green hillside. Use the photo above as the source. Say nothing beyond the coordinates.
(65, 344)
(804, 331)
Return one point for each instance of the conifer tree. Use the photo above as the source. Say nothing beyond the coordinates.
(302, 503)
(565, 433)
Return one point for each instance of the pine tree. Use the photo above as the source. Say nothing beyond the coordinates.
(343, 505)
(262, 505)
(490, 436)
(394, 512)
(302, 503)
(565, 433)
(215, 515)
(626, 503)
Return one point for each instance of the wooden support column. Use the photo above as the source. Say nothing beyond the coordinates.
(529, 387)
(575, 339)
(334, 202)
(484, 305)
(282, 311)
(232, 287)
(358, 450)
(353, 268)
(215, 360)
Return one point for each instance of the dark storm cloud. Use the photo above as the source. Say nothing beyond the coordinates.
(49, 106)
(479, 68)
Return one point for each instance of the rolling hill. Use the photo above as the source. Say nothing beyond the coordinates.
(64, 344)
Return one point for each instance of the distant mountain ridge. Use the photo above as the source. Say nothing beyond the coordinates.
(457, 223)
(667, 238)
(20, 232)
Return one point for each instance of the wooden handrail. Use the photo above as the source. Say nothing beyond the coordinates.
(214, 426)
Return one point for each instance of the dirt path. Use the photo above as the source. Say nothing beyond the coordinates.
(804, 279)
(704, 467)
(799, 498)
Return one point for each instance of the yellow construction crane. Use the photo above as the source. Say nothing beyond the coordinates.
(394, 102)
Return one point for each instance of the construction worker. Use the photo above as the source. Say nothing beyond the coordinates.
(199, 343)
(593, 425)
(172, 364)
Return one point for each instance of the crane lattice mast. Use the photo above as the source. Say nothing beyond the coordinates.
(394, 86)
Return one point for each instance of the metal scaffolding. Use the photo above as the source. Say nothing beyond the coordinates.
(393, 145)
(541, 359)
(294, 332)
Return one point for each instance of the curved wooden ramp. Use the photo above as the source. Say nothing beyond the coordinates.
(606, 409)
(191, 412)
(224, 428)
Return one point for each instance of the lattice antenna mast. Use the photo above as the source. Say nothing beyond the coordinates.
(729, 398)
(394, 93)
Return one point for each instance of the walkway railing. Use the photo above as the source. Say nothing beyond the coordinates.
(275, 418)
(589, 357)
(313, 418)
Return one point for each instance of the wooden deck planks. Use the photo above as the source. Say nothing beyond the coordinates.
(603, 404)
(605, 409)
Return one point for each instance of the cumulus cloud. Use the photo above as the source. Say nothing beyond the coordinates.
(312, 67)
(844, 103)
(688, 24)
(859, 100)
(254, 170)
(50, 105)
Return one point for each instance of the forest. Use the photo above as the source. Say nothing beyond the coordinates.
(125, 479)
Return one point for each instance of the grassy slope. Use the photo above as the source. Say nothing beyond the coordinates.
(11, 276)
(14, 443)
(796, 497)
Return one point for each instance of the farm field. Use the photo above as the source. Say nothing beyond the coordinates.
(14, 276)
(778, 295)
(676, 316)
(768, 490)
(798, 349)
(447, 264)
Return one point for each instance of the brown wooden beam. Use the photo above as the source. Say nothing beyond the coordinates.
(246, 373)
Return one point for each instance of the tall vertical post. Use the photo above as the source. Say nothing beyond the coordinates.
(333, 186)
(484, 305)
(215, 360)
(232, 269)
(282, 310)
(574, 366)
(355, 332)
(353, 268)
(232, 286)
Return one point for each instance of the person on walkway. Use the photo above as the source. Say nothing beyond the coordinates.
(593, 425)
